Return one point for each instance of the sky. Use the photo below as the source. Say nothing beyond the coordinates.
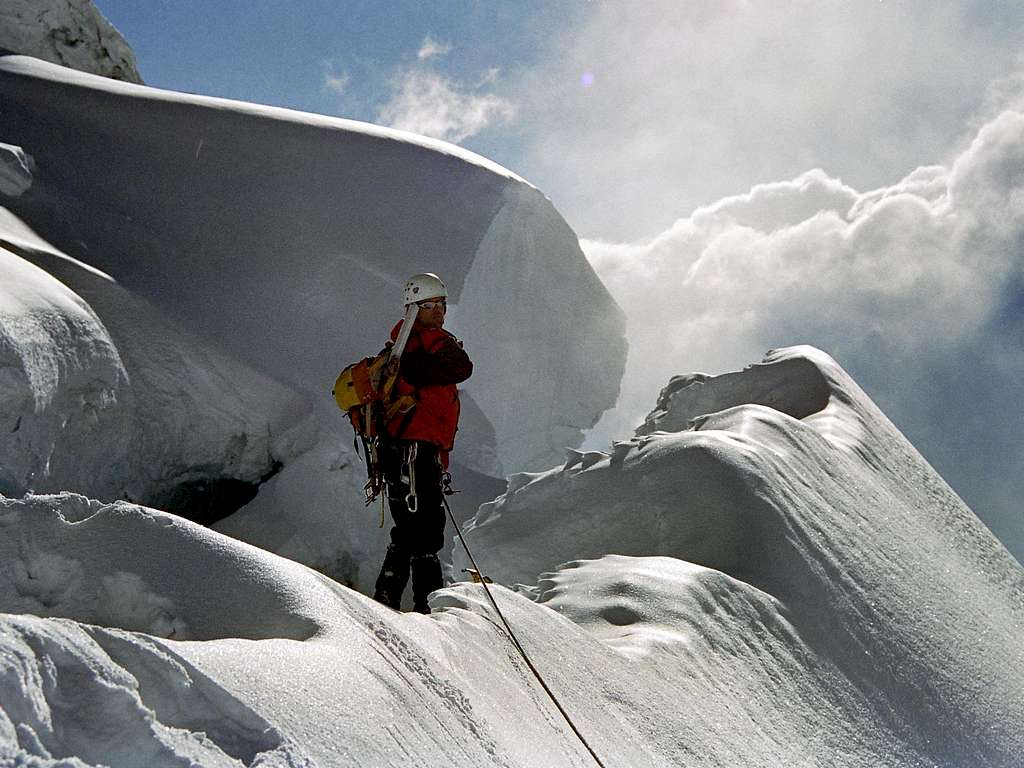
(628, 115)
(743, 175)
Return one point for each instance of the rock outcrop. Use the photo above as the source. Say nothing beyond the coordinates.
(72, 33)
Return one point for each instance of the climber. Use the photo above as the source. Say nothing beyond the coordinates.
(414, 451)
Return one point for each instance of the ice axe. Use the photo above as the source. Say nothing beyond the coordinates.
(389, 372)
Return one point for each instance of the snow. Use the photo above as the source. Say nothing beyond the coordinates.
(61, 374)
(107, 396)
(879, 565)
(286, 237)
(921, 277)
(132, 703)
(15, 170)
(570, 304)
(752, 588)
(208, 370)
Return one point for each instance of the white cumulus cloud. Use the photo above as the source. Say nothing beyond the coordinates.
(640, 112)
(903, 284)
(429, 103)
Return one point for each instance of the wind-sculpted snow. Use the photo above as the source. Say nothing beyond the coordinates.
(793, 386)
(15, 170)
(105, 396)
(61, 375)
(286, 237)
(204, 269)
(756, 589)
(696, 658)
(119, 698)
(767, 574)
(72, 695)
(130, 567)
(880, 568)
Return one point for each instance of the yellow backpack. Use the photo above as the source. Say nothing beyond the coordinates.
(364, 390)
(355, 386)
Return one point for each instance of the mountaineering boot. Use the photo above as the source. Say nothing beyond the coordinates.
(426, 577)
(394, 574)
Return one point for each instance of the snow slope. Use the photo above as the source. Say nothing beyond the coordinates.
(285, 237)
(787, 477)
(758, 589)
(241, 247)
(104, 395)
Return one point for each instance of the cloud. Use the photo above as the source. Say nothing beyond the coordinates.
(334, 81)
(916, 288)
(639, 113)
(432, 48)
(427, 102)
(489, 77)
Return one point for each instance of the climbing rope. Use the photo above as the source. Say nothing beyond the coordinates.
(515, 640)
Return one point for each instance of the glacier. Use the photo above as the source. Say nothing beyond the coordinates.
(94, 392)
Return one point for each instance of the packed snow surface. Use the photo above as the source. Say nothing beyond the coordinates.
(769, 575)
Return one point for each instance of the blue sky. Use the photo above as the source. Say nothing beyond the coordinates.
(338, 58)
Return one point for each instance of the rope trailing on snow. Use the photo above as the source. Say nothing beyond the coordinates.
(515, 640)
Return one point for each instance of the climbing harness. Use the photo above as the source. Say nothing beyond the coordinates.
(479, 577)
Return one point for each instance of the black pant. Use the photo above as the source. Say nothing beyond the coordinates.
(415, 500)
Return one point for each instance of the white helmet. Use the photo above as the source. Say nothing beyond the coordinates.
(424, 286)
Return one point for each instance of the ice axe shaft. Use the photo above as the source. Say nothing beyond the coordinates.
(406, 331)
(390, 371)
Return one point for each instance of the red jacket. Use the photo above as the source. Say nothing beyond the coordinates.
(433, 362)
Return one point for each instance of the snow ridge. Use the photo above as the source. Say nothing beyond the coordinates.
(766, 573)
(883, 573)
(65, 559)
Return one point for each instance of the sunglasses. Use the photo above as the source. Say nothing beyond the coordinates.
(442, 303)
